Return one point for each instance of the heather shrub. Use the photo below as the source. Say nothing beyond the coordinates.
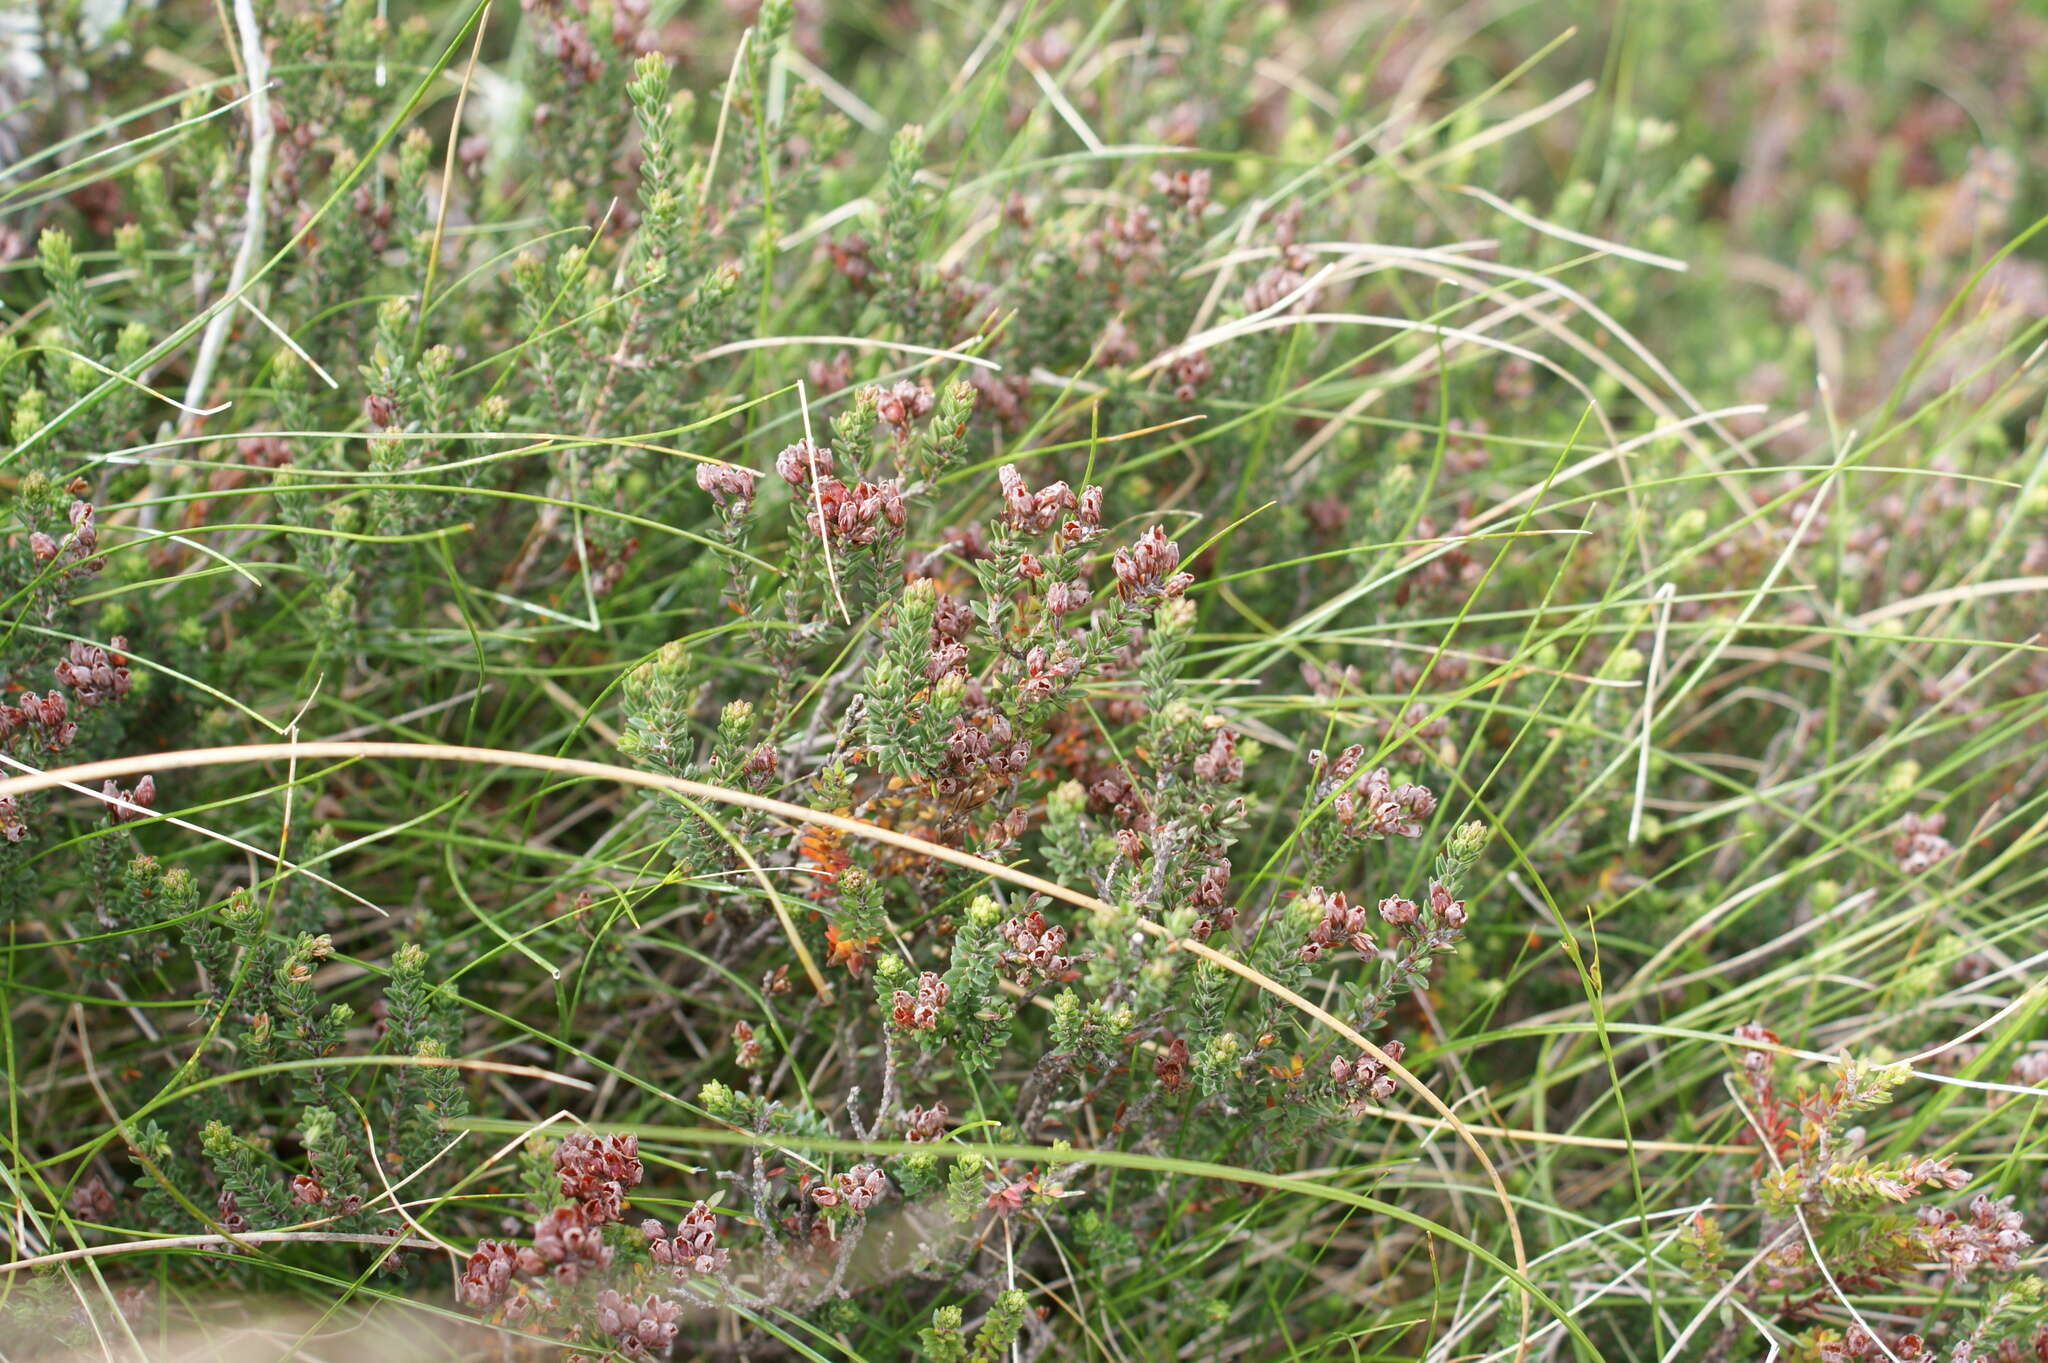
(1022, 682)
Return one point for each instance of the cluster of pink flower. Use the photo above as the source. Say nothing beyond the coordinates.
(1919, 844)
(1278, 285)
(976, 750)
(1126, 239)
(952, 618)
(1024, 509)
(566, 1245)
(902, 405)
(1990, 1237)
(920, 1012)
(1188, 190)
(853, 257)
(572, 1242)
(693, 1249)
(731, 487)
(1036, 949)
(487, 1276)
(1171, 1068)
(80, 549)
(1365, 1078)
(746, 1046)
(565, 37)
(922, 1124)
(1859, 1345)
(1046, 672)
(1220, 764)
(1150, 568)
(1371, 807)
(595, 1172)
(1283, 282)
(94, 674)
(1341, 923)
(1190, 372)
(644, 1327)
(124, 805)
(1452, 566)
(799, 463)
(858, 1189)
(1211, 888)
(48, 715)
(1935, 1172)
(1447, 911)
(1001, 397)
(861, 514)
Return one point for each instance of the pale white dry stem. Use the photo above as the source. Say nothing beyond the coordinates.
(256, 64)
(1663, 599)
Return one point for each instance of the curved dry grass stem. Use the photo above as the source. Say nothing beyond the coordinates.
(154, 763)
(247, 1237)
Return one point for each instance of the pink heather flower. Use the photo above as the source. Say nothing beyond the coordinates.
(1919, 844)
(1395, 811)
(922, 1124)
(1336, 772)
(1053, 499)
(1188, 189)
(861, 514)
(1991, 1238)
(1342, 924)
(1190, 372)
(1019, 505)
(1757, 1062)
(1274, 285)
(1172, 1066)
(487, 1277)
(1064, 598)
(643, 1328)
(124, 806)
(1397, 911)
(799, 462)
(1036, 948)
(693, 1249)
(1365, 1079)
(1117, 348)
(919, 1012)
(92, 673)
(1446, 910)
(1220, 764)
(862, 1186)
(1149, 566)
(595, 1172)
(571, 1242)
(728, 484)
(903, 403)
